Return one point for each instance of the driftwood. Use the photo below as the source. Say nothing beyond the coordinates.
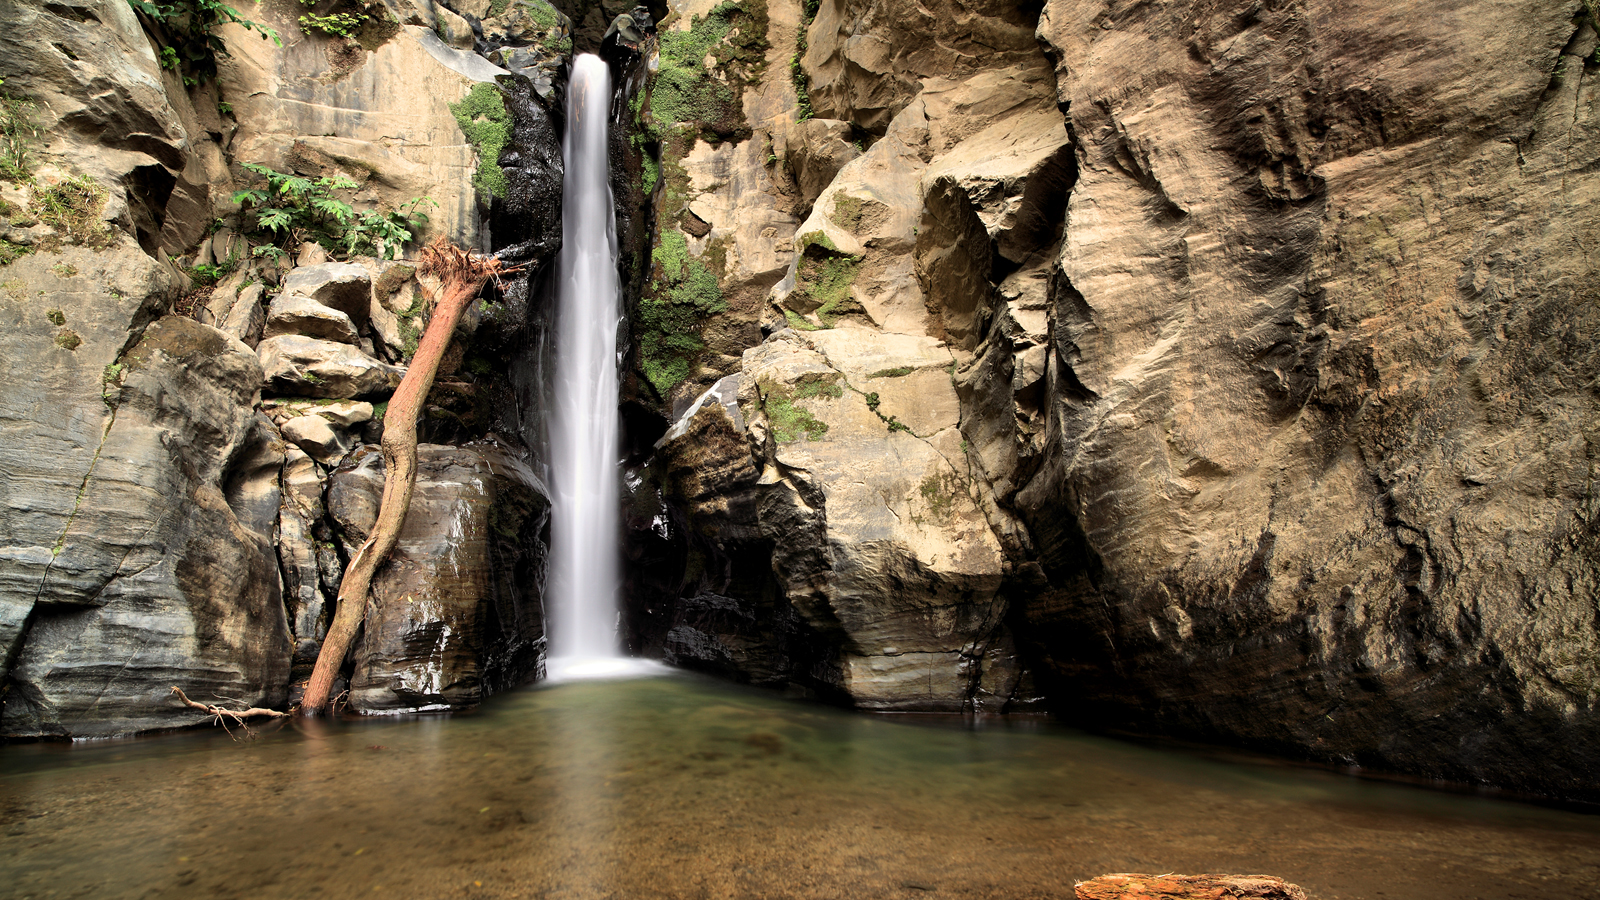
(222, 714)
(461, 276)
(1187, 887)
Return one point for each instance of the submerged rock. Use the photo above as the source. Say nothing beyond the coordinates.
(1187, 887)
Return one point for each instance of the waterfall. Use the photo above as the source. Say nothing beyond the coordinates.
(584, 576)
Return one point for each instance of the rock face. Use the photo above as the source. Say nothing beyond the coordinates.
(1318, 456)
(156, 566)
(1261, 412)
(456, 613)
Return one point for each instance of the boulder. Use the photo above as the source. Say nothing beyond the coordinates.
(311, 367)
(818, 149)
(457, 612)
(136, 484)
(345, 287)
(296, 314)
(318, 438)
(246, 318)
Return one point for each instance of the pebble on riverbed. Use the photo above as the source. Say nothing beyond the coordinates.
(1188, 887)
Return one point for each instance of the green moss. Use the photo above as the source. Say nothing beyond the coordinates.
(846, 211)
(939, 493)
(828, 283)
(684, 293)
(686, 93)
(56, 317)
(798, 322)
(896, 372)
(68, 340)
(651, 173)
(483, 118)
(789, 421)
(811, 386)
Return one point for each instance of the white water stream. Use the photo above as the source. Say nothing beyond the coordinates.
(584, 577)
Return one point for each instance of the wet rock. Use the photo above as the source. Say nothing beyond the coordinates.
(311, 367)
(1187, 887)
(345, 287)
(457, 612)
(139, 566)
(302, 507)
(295, 314)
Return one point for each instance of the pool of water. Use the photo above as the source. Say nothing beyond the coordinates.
(682, 787)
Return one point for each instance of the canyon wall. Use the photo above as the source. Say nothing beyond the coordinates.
(191, 406)
(1211, 369)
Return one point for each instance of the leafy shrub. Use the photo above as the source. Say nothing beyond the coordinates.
(296, 209)
(194, 45)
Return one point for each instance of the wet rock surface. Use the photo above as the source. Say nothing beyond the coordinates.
(456, 614)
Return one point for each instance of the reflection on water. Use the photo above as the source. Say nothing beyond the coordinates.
(678, 787)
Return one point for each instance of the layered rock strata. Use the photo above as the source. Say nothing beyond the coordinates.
(1261, 410)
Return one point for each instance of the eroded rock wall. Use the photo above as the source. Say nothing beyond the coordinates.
(1262, 407)
(1320, 433)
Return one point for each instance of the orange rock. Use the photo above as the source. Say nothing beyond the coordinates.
(1188, 887)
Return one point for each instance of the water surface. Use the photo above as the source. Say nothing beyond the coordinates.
(682, 787)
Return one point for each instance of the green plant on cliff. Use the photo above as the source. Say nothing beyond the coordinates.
(73, 207)
(187, 30)
(295, 208)
(483, 118)
(18, 132)
(684, 293)
(333, 24)
(689, 95)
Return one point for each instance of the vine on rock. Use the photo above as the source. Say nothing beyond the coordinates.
(192, 45)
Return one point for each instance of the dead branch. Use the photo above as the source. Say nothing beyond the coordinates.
(461, 275)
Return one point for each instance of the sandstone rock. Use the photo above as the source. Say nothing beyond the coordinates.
(316, 368)
(456, 612)
(318, 438)
(311, 254)
(818, 149)
(294, 314)
(131, 138)
(1187, 887)
(452, 29)
(138, 566)
(383, 117)
(345, 287)
(246, 318)
(1316, 477)
(910, 568)
(301, 509)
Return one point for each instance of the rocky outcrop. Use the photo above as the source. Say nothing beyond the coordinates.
(455, 614)
(1264, 400)
(1316, 470)
(137, 553)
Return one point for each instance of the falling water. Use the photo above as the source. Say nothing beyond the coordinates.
(584, 563)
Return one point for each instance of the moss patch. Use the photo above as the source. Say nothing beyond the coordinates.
(483, 118)
(689, 94)
(73, 208)
(684, 293)
(896, 372)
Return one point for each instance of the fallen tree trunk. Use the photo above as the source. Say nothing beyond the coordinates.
(461, 275)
